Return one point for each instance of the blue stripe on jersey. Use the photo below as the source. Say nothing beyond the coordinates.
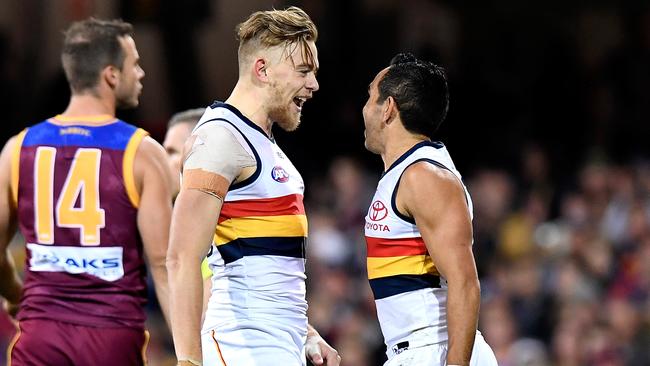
(393, 199)
(435, 144)
(280, 246)
(218, 104)
(393, 285)
(111, 136)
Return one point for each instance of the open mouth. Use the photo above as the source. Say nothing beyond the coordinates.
(299, 101)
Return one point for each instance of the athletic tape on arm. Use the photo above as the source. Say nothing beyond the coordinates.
(214, 160)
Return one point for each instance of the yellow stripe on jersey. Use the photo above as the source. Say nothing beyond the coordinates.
(15, 165)
(260, 226)
(85, 118)
(127, 166)
(393, 266)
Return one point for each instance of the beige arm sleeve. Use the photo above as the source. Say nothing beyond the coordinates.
(215, 159)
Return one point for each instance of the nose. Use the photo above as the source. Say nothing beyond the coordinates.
(312, 83)
(140, 72)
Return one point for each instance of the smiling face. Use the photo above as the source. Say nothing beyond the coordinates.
(129, 87)
(373, 116)
(292, 81)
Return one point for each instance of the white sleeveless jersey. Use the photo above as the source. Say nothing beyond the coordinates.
(410, 295)
(258, 252)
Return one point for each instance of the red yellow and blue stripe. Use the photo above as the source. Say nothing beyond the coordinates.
(267, 226)
(399, 265)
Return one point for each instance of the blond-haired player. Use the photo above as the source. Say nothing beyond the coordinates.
(179, 129)
(241, 201)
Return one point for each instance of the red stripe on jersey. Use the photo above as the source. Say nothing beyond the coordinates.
(277, 206)
(383, 247)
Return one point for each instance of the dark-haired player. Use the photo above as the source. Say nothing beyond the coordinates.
(419, 225)
(89, 194)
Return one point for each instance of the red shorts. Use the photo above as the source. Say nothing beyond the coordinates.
(43, 342)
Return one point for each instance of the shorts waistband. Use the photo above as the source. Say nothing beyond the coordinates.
(415, 342)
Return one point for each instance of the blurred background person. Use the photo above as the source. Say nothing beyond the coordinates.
(179, 128)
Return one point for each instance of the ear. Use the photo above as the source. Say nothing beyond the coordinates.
(111, 75)
(260, 69)
(389, 110)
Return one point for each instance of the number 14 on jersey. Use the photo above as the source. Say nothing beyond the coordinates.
(81, 184)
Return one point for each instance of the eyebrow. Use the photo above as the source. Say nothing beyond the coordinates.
(308, 66)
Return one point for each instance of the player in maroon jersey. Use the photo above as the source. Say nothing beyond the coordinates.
(91, 195)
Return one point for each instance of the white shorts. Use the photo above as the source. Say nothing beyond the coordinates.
(436, 354)
(253, 342)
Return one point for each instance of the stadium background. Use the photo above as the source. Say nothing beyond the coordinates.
(549, 123)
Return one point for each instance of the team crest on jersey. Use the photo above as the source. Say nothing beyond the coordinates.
(279, 174)
(378, 211)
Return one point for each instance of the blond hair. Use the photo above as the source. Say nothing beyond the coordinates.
(266, 29)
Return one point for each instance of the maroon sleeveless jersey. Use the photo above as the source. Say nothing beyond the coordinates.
(77, 207)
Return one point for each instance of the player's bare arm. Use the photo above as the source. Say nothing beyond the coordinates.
(436, 200)
(153, 182)
(318, 351)
(10, 284)
(193, 224)
(206, 178)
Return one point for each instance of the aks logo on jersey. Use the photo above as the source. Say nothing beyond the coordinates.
(103, 262)
(378, 211)
(279, 174)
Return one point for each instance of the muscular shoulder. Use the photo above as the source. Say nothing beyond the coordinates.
(5, 158)
(150, 159)
(425, 186)
(9, 145)
(424, 177)
(150, 151)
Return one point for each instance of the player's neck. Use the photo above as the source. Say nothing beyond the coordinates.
(251, 105)
(397, 145)
(88, 107)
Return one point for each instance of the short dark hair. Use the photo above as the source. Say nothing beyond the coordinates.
(89, 46)
(420, 91)
(191, 116)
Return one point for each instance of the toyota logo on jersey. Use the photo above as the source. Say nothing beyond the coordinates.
(378, 211)
(279, 174)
